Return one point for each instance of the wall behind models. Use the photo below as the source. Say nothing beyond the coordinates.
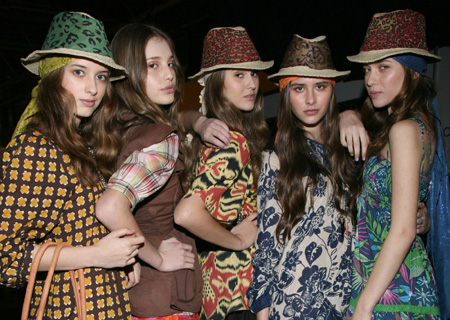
(354, 90)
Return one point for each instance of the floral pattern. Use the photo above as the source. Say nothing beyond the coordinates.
(412, 293)
(308, 277)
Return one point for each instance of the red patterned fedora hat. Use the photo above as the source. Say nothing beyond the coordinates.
(394, 33)
(230, 48)
(309, 58)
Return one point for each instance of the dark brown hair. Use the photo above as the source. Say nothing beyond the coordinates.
(297, 164)
(56, 119)
(251, 124)
(128, 47)
(414, 99)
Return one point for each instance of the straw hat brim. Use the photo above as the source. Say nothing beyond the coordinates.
(376, 55)
(303, 71)
(253, 65)
(31, 62)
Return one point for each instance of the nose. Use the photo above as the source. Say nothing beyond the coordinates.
(91, 85)
(253, 82)
(310, 97)
(169, 73)
(370, 78)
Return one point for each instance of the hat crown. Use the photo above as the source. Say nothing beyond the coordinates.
(223, 46)
(312, 53)
(397, 29)
(77, 31)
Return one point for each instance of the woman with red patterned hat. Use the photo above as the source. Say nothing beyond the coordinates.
(392, 275)
(220, 206)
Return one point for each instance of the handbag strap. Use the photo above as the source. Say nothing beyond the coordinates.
(80, 294)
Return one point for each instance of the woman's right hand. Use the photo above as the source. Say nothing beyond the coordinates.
(246, 231)
(175, 255)
(117, 249)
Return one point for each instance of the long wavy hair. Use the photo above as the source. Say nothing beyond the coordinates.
(94, 143)
(414, 99)
(251, 124)
(297, 164)
(128, 47)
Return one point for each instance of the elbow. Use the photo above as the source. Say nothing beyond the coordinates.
(181, 215)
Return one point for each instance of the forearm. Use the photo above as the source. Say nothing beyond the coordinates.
(263, 314)
(189, 120)
(70, 258)
(113, 210)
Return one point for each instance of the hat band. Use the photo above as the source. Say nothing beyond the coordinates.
(414, 62)
(50, 64)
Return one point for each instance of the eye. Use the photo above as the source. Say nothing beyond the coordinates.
(320, 86)
(152, 65)
(298, 89)
(171, 65)
(239, 75)
(254, 73)
(384, 67)
(78, 72)
(366, 69)
(103, 77)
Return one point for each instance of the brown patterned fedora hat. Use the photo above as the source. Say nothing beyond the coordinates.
(76, 34)
(394, 33)
(309, 58)
(230, 48)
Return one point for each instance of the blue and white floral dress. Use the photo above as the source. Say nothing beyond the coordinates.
(310, 276)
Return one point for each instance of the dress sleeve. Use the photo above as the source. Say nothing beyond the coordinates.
(268, 249)
(145, 171)
(217, 173)
(34, 188)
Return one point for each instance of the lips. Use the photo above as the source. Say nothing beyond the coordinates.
(250, 97)
(311, 112)
(374, 94)
(88, 102)
(169, 89)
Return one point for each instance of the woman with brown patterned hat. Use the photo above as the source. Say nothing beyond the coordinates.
(306, 212)
(53, 171)
(392, 274)
(220, 206)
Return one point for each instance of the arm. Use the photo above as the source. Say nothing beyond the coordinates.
(406, 156)
(143, 173)
(263, 314)
(213, 132)
(353, 134)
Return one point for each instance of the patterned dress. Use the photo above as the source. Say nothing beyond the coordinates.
(42, 200)
(224, 181)
(309, 277)
(412, 293)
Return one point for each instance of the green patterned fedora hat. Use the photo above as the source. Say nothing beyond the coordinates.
(76, 34)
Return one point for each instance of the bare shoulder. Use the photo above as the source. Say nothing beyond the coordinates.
(405, 130)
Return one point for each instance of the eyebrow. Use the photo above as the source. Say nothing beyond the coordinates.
(303, 84)
(158, 58)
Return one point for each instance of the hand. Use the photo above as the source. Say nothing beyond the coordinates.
(175, 255)
(246, 231)
(353, 134)
(213, 132)
(117, 249)
(133, 274)
(423, 219)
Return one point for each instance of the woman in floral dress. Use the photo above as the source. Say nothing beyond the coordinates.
(392, 275)
(302, 263)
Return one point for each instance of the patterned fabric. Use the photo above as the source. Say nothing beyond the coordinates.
(413, 290)
(308, 277)
(224, 181)
(42, 200)
(180, 316)
(146, 171)
(397, 29)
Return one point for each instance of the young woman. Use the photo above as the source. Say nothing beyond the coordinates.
(151, 175)
(53, 173)
(220, 206)
(306, 213)
(392, 275)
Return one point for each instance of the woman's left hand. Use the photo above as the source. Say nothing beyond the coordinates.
(423, 219)
(213, 132)
(133, 274)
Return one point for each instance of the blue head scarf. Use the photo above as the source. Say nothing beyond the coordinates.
(438, 203)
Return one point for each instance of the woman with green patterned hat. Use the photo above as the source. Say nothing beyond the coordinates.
(54, 169)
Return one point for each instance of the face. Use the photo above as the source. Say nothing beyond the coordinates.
(310, 99)
(161, 77)
(86, 81)
(241, 87)
(383, 80)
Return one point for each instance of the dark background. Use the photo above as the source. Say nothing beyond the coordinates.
(271, 24)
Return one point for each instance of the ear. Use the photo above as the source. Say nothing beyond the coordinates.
(416, 75)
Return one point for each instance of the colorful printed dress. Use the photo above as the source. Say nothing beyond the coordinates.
(308, 277)
(224, 181)
(42, 200)
(412, 293)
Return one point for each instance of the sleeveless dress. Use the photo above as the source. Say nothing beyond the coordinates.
(412, 294)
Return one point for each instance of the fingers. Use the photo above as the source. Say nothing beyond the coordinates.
(350, 145)
(364, 145)
(123, 232)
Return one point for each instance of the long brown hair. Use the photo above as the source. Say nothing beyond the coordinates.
(250, 124)
(296, 163)
(56, 119)
(414, 99)
(128, 47)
